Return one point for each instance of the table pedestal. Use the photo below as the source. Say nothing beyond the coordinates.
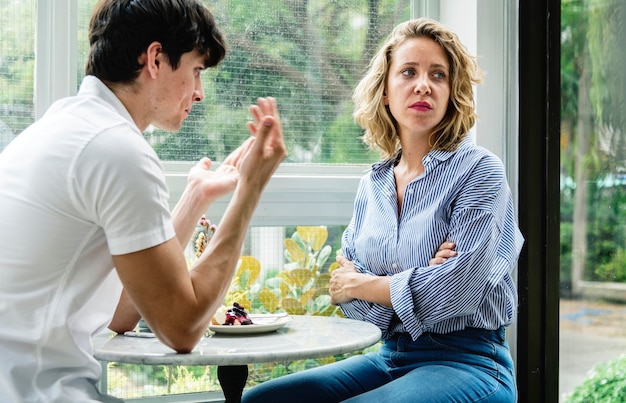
(232, 379)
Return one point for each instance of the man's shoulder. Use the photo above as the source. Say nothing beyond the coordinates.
(72, 122)
(95, 104)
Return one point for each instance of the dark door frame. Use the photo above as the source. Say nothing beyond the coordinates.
(539, 215)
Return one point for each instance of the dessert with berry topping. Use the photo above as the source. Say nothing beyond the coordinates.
(233, 316)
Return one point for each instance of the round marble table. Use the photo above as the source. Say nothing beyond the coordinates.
(303, 337)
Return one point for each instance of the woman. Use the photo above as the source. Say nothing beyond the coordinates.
(443, 320)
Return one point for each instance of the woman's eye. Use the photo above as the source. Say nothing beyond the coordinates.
(407, 72)
(439, 75)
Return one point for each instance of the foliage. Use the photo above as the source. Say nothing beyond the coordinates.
(605, 38)
(136, 381)
(607, 233)
(301, 288)
(264, 372)
(184, 379)
(17, 64)
(309, 56)
(124, 380)
(573, 31)
(591, 32)
(566, 233)
(606, 383)
(565, 262)
(614, 269)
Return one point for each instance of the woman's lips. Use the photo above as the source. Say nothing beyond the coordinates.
(421, 106)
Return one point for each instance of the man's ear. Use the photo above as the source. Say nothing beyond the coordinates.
(152, 59)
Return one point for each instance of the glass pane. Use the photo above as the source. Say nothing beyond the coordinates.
(308, 55)
(85, 7)
(17, 67)
(593, 201)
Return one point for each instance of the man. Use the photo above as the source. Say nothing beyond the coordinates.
(87, 238)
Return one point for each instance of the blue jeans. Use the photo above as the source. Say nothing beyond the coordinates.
(471, 365)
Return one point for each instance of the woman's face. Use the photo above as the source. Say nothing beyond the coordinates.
(418, 86)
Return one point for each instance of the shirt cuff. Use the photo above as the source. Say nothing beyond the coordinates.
(402, 302)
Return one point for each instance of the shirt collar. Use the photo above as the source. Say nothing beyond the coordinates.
(433, 154)
(92, 86)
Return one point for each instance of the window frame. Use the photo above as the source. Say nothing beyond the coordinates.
(56, 49)
(297, 194)
(305, 194)
(539, 151)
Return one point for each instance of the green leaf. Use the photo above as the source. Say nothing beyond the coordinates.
(323, 256)
(278, 371)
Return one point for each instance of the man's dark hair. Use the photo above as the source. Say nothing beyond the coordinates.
(121, 30)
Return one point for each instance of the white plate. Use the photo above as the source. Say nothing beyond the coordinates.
(262, 323)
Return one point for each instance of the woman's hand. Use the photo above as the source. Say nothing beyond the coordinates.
(346, 284)
(445, 251)
(339, 280)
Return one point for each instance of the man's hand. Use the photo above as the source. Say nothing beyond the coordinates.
(268, 148)
(445, 251)
(221, 181)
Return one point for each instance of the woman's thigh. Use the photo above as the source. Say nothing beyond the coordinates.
(329, 383)
(468, 366)
(440, 383)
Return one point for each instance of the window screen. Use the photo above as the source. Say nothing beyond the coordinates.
(309, 55)
(17, 61)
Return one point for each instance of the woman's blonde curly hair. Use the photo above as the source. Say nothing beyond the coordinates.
(374, 117)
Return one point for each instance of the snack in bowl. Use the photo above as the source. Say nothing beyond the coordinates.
(233, 316)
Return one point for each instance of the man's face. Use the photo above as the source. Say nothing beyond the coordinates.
(177, 91)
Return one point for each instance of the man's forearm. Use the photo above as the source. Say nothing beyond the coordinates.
(186, 214)
(216, 267)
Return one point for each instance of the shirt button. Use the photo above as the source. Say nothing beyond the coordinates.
(394, 265)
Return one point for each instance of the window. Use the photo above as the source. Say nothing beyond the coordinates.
(593, 199)
(309, 58)
(324, 144)
(17, 61)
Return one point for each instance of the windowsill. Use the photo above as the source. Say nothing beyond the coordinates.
(294, 190)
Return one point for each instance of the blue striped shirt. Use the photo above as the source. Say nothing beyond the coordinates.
(462, 196)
